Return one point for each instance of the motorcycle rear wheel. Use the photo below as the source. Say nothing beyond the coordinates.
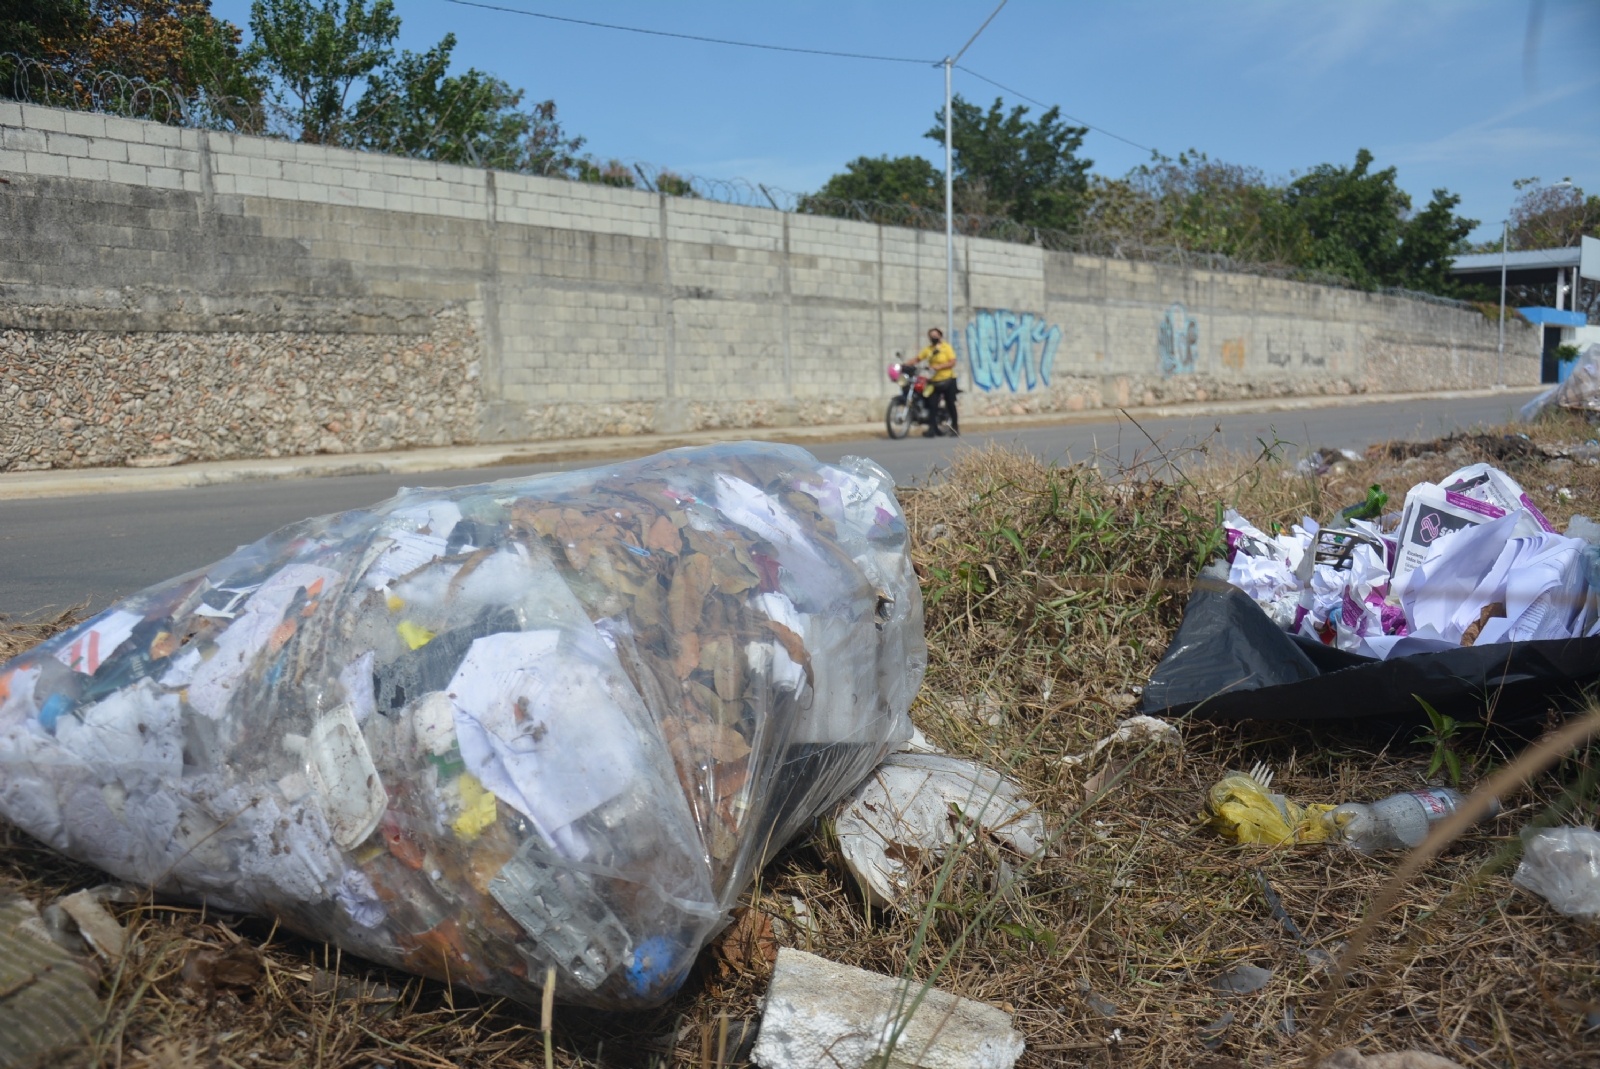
(897, 420)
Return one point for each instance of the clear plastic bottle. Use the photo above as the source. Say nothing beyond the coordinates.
(1398, 822)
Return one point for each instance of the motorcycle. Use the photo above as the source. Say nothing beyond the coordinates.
(915, 403)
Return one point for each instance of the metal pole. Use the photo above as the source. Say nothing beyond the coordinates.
(1504, 230)
(949, 215)
(949, 189)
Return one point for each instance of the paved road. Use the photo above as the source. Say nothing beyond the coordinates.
(63, 550)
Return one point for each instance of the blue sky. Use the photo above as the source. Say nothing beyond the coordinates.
(1454, 94)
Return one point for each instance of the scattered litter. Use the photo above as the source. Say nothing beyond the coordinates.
(1211, 1034)
(1398, 822)
(1469, 543)
(1242, 807)
(1316, 958)
(817, 1012)
(1350, 1058)
(375, 999)
(986, 709)
(917, 743)
(1230, 660)
(209, 969)
(803, 918)
(1563, 866)
(98, 927)
(901, 819)
(1241, 980)
(748, 945)
(49, 1000)
(1103, 1006)
(1580, 391)
(477, 732)
(1135, 729)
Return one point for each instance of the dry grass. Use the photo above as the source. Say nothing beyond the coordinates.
(1051, 594)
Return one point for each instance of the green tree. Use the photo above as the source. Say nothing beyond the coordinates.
(1429, 241)
(177, 46)
(35, 28)
(415, 107)
(900, 180)
(316, 53)
(1006, 165)
(1360, 226)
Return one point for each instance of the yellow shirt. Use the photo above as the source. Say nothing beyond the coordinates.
(942, 359)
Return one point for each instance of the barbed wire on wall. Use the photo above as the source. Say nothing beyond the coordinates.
(37, 82)
(34, 81)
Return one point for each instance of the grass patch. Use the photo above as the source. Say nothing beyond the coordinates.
(1051, 593)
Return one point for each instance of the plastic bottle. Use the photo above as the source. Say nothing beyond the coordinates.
(1398, 822)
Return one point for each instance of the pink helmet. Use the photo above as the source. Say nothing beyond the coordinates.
(894, 372)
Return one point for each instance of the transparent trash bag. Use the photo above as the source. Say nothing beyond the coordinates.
(1562, 865)
(476, 733)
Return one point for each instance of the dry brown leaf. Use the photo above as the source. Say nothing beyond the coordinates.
(748, 945)
(686, 599)
(688, 658)
(210, 969)
(664, 537)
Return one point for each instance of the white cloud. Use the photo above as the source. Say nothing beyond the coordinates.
(1493, 135)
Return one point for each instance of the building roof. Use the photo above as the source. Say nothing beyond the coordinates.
(1474, 263)
(1554, 317)
(1531, 267)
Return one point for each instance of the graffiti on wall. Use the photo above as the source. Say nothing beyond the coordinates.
(1233, 354)
(1178, 341)
(1016, 351)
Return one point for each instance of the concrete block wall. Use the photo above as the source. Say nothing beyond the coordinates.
(511, 307)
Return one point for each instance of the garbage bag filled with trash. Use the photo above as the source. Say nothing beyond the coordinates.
(1470, 560)
(1466, 592)
(481, 732)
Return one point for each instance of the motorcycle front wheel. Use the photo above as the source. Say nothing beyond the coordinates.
(897, 420)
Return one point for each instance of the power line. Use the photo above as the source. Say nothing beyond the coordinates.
(789, 48)
(1042, 104)
(691, 36)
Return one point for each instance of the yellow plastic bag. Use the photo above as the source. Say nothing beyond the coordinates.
(1241, 809)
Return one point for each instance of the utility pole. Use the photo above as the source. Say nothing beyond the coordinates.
(949, 215)
(948, 63)
(1505, 228)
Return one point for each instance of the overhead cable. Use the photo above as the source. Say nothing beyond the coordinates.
(790, 48)
(1042, 104)
(691, 36)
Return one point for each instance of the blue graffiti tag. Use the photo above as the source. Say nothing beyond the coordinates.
(1011, 350)
(1178, 341)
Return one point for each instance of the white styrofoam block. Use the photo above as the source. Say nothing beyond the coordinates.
(819, 1013)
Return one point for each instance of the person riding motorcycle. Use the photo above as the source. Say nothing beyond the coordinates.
(941, 360)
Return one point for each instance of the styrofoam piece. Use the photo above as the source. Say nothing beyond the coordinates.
(906, 808)
(820, 1013)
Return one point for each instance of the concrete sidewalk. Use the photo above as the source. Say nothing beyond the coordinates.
(68, 481)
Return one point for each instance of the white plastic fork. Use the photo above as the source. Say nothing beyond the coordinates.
(1262, 774)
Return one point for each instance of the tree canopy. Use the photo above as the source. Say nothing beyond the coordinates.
(901, 180)
(178, 46)
(1553, 216)
(1006, 165)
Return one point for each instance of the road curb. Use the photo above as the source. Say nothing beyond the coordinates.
(31, 484)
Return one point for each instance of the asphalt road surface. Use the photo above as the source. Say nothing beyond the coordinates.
(56, 552)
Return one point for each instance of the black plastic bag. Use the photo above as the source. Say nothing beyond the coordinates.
(1229, 661)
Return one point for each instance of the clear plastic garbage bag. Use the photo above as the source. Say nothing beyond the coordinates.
(1563, 865)
(475, 733)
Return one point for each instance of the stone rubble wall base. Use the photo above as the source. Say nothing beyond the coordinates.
(93, 399)
(96, 399)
